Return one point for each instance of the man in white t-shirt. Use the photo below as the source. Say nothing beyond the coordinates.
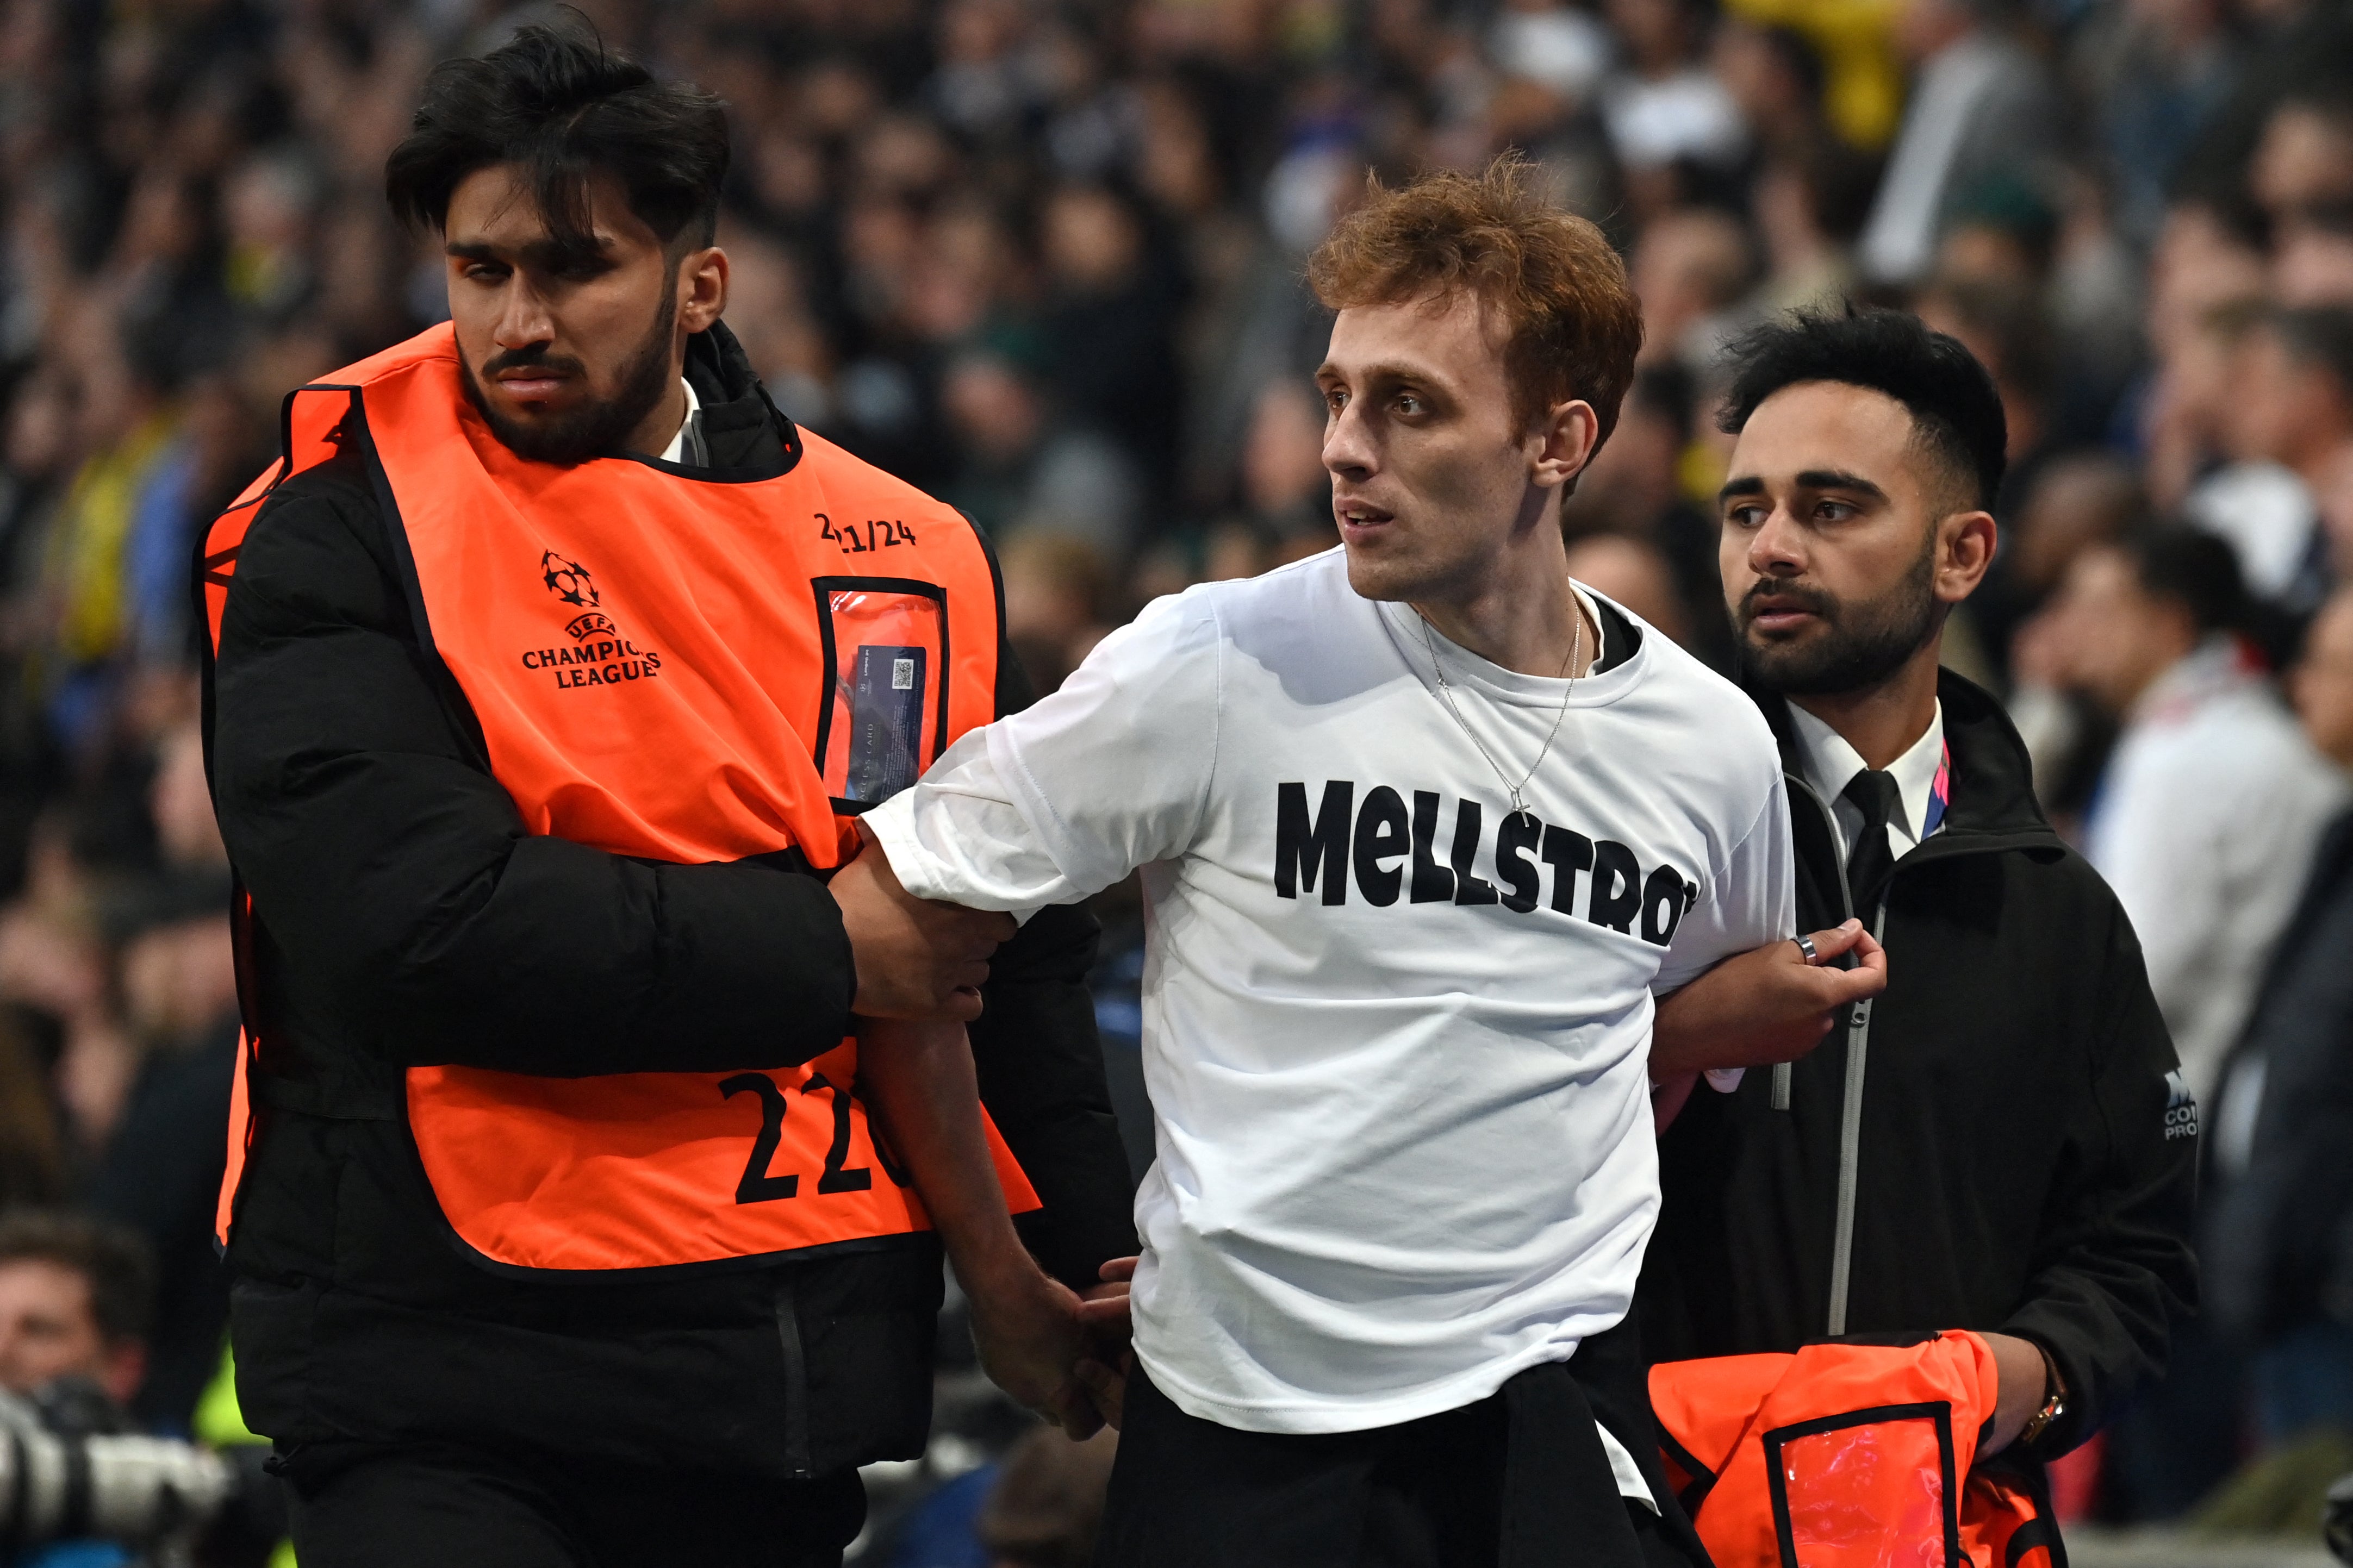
(1424, 828)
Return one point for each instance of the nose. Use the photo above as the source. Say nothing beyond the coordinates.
(1347, 448)
(1776, 547)
(523, 317)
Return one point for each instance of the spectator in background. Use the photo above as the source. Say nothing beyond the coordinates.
(77, 1299)
(1109, 311)
(2155, 70)
(2213, 800)
(2202, 457)
(161, 1171)
(1286, 496)
(1671, 120)
(1810, 203)
(1635, 488)
(2079, 500)
(1018, 470)
(2292, 405)
(1630, 571)
(2002, 323)
(1862, 81)
(1774, 75)
(1056, 591)
(2206, 282)
(1691, 269)
(2278, 1244)
(1981, 105)
(2302, 169)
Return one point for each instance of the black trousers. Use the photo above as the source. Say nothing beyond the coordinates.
(361, 1506)
(1190, 1493)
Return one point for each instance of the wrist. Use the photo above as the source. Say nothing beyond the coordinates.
(2054, 1402)
(997, 1271)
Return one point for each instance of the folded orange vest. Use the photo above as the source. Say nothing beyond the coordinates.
(1846, 1456)
(679, 666)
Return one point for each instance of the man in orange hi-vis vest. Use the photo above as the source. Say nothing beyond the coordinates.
(593, 1149)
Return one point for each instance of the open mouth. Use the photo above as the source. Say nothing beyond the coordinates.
(1357, 519)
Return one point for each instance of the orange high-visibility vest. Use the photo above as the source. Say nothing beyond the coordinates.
(1846, 1455)
(678, 666)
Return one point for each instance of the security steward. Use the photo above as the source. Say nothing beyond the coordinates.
(596, 1143)
(1999, 1142)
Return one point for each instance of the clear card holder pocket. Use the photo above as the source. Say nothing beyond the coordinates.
(885, 718)
(1867, 1489)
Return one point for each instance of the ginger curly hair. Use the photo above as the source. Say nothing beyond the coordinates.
(1553, 281)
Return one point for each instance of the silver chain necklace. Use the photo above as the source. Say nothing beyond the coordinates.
(1446, 695)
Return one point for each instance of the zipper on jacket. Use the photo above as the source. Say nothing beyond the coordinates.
(1782, 1070)
(1941, 847)
(1858, 1046)
(796, 1386)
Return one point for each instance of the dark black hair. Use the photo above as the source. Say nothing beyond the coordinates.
(560, 106)
(2320, 335)
(1955, 412)
(2194, 569)
(116, 1262)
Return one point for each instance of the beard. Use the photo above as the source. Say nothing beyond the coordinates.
(1860, 644)
(595, 428)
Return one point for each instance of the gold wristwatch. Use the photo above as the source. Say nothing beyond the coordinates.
(2054, 1407)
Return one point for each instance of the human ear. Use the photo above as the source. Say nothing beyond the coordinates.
(702, 288)
(1965, 550)
(1565, 439)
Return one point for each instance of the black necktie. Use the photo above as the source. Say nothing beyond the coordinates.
(1874, 794)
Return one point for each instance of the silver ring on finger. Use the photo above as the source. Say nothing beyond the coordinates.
(1806, 946)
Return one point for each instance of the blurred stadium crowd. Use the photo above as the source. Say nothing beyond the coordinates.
(1043, 257)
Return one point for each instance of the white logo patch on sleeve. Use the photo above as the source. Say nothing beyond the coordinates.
(2181, 1107)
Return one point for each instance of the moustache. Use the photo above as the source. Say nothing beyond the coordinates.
(536, 357)
(1812, 600)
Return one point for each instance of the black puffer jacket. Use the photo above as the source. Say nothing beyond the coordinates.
(2020, 1158)
(403, 915)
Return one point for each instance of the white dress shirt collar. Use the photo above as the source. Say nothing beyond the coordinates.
(676, 450)
(1831, 764)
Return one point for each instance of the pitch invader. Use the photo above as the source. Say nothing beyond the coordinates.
(1424, 828)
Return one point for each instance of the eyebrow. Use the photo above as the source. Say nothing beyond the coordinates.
(1838, 479)
(543, 254)
(1386, 372)
(1810, 479)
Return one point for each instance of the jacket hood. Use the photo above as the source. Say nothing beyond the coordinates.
(743, 429)
(1992, 778)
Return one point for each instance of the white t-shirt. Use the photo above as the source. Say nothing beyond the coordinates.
(1399, 1087)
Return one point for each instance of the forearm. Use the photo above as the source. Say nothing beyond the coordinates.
(1040, 1069)
(534, 955)
(1709, 1023)
(918, 1078)
(1770, 1005)
(390, 867)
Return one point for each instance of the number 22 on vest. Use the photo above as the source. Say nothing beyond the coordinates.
(760, 1185)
